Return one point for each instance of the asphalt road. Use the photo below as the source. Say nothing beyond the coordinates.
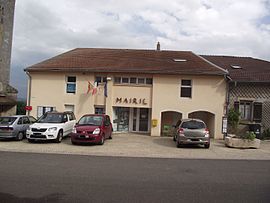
(26, 177)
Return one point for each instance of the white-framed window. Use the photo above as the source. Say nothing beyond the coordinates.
(249, 110)
(69, 107)
(186, 88)
(71, 84)
(43, 109)
(99, 110)
(245, 110)
(101, 79)
(133, 80)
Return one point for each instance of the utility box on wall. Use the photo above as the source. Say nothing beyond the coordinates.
(154, 122)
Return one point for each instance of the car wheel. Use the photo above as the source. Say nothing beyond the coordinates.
(74, 143)
(110, 137)
(207, 146)
(59, 136)
(20, 136)
(102, 140)
(178, 145)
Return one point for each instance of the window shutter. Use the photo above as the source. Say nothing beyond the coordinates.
(257, 112)
(236, 106)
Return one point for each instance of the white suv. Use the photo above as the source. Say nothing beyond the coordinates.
(51, 126)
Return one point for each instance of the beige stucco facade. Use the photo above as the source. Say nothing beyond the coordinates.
(207, 101)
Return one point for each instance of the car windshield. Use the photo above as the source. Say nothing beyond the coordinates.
(91, 120)
(7, 120)
(193, 125)
(51, 118)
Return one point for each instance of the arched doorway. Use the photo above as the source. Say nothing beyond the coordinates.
(168, 119)
(207, 117)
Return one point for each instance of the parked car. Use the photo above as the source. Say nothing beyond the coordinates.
(92, 128)
(52, 126)
(192, 131)
(15, 126)
(175, 129)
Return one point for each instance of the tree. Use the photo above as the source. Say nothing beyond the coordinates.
(21, 108)
(233, 120)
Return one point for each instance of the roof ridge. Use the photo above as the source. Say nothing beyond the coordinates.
(129, 49)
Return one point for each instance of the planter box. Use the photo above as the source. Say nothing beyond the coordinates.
(242, 143)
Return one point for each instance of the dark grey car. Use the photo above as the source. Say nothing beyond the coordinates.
(14, 126)
(192, 131)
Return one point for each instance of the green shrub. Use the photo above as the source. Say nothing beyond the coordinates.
(21, 108)
(249, 135)
(266, 134)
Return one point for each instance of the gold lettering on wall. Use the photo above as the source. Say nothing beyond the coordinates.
(121, 100)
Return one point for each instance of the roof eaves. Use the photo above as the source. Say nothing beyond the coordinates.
(102, 70)
(250, 81)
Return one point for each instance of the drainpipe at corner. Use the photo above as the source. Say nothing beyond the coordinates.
(228, 80)
(29, 91)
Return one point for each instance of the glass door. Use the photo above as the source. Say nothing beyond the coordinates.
(143, 119)
(134, 119)
(122, 119)
(140, 119)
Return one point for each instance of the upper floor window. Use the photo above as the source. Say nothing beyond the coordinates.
(149, 81)
(101, 79)
(71, 84)
(133, 80)
(125, 80)
(186, 88)
(117, 80)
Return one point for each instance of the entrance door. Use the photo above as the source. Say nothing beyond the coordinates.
(144, 118)
(140, 119)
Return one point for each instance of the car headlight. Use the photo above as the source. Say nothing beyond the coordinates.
(74, 130)
(96, 131)
(52, 129)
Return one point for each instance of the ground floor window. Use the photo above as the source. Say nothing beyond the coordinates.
(131, 119)
(121, 119)
(43, 109)
(245, 110)
(99, 110)
(69, 107)
(249, 110)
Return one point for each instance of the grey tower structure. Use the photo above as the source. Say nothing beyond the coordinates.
(7, 93)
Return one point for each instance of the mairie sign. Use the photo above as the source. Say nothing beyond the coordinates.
(121, 100)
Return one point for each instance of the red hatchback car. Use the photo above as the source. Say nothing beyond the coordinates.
(92, 128)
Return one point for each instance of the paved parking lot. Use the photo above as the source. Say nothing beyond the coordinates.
(136, 145)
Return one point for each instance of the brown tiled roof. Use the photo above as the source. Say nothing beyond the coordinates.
(252, 70)
(128, 61)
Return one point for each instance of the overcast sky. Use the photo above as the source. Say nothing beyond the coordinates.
(43, 29)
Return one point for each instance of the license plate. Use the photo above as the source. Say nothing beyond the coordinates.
(37, 133)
